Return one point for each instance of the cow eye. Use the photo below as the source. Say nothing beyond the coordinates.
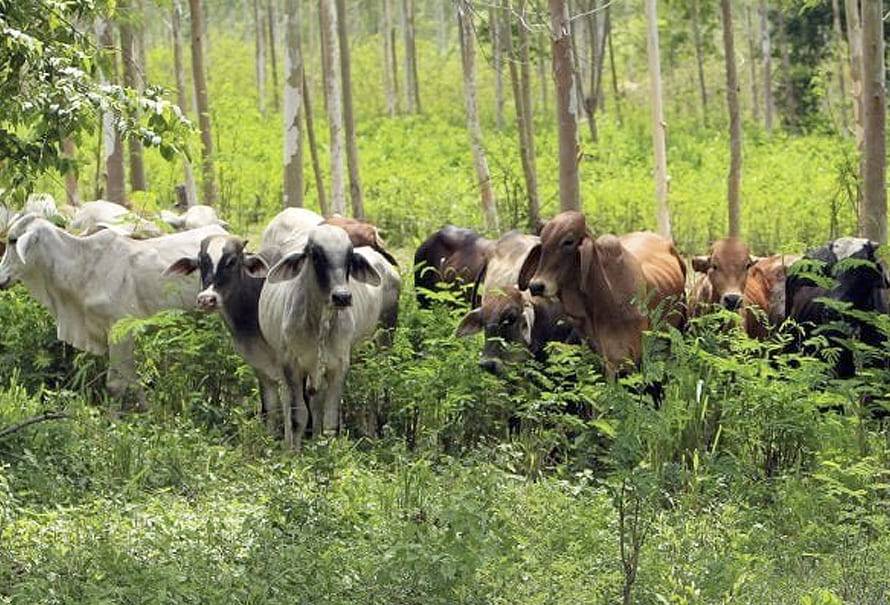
(13, 240)
(568, 243)
(509, 319)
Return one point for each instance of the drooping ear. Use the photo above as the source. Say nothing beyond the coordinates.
(474, 295)
(701, 264)
(380, 246)
(528, 322)
(255, 266)
(470, 324)
(529, 267)
(287, 268)
(184, 266)
(25, 244)
(361, 270)
(585, 251)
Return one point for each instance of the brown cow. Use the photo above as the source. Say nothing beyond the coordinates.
(737, 281)
(607, 285)
(451, 256)
(362, 234)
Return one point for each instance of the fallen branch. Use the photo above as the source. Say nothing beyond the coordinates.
(33, 420)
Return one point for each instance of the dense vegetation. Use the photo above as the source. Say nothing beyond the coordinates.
(758, 479)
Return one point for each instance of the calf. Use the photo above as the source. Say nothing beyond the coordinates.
(608, 285)
(90, 283)
(319, 300)
(451, 256)
(194, 218)
(362, 234)
(508, 316)
(737, 281)
(860, 284)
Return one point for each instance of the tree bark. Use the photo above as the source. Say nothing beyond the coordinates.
(735, 123)
(69, 149)
(603, 26)
(496, 45)
(259, 56)
(181, 98)
(542, 72)
(480, 163)
(766, 51)
(787, 76)
(873, 218)
(839, 57)
(355, 183)
(273, 43)
(586, 103)
(854, 41)
(524, 124)
(132, 80)
(752, 55)
(441, 26)
(293, 106)
(202, 101)
(412, 86)
(663, 217)
(615, 91)
(390, 62)
(699, 57)
(333, 100)
(566, 110)
(313, 150)
(113, 149)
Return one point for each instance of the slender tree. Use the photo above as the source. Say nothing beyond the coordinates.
(542, 72)
(854, 41)
(584, 102)
(752, 63)
(480, 163)
(563, 70)
(69, 149)
(496, 45)
(735, 122)
(355, 183)
(525, 79)
(313, 150)
(191, 191)
(766, 53)
(412, 87)
(390, 63)
(663, 217)
(839, 58)
(132, 79)
(787, 77)
(699, 57)
(615, 91)
(873, 218)
(259, 56)
(112, 146)
(333, 100)
(273, 45)
(601, 26)
(202, 101)
(441, 26)
(293, 106)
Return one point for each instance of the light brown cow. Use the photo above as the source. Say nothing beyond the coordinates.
(736, 280)
(609, 285)
(362, 234)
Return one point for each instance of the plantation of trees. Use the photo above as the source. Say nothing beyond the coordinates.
(244, 358)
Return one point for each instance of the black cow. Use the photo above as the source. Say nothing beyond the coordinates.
(452, 256)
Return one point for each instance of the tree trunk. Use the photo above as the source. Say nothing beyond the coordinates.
(441, 26)
(604, 25)
(590, 103)
(181, 99)
(699, 58)
(355, 183)
(839, 57)
(787, 77)
(293, 106)
(542, 72)
(69, 149)
(113, 148)
(752, 55)
(411, 84)
(132, 80)
(313, 150)
(584, 102)
(766, 51)
(524, 124)
(480, 163)
(663, 217)
(333, 99)
(873, 218)
(496, 45)
(615, 91)
(390, 63)
(273, 43)
(525, 78)
(259, 56)
(202, 101)
(735, 123)
(566, 110)
(854, 40)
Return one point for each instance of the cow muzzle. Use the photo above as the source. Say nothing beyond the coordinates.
(341, 298)
(492, 365)
(731, 301)
(208, 301)
(537, 288)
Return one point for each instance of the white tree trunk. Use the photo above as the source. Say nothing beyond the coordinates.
(260, 56)
(293, 106)
(202, 101)
(411, 84)
(873, 218)
(735, 123)
(390, 65)
(112, 145)
(663, 217)
(333, 100)
(355, 184)
(766, 51)
(495, 25)
(854, 40)
(191, 190)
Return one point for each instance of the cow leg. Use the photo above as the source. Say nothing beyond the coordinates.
(294, 403)
(269, 401)
(332, 395)
(121, 380)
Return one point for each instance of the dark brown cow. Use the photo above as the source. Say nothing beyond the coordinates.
(451, 256)
(607, 285)
(362, 234)
(737, 281)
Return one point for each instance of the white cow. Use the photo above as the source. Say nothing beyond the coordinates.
(319, 300)
(90, 283)
(290, 222)
(95, 216)
(193, 218)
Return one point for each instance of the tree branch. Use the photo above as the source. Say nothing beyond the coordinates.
(33, 420)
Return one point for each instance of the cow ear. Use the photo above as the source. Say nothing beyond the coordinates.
(361, 270)
(529, 267)
(701, 264)
(255, 266)
(528, 322)
(470, 324)
(585, 251)
(287, 268)
(184, 266)
(24, 244)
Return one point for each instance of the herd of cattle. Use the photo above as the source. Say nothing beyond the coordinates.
(316, 287)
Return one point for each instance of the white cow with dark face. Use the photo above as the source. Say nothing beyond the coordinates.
(90, 283)
(319, 300)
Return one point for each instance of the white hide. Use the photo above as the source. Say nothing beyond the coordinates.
(90, 216)
(193, 218)
(90, 283)
(286, 224)
(845, 247)
(41, 204)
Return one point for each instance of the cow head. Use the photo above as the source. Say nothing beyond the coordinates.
(506, 318)
(566, 251)
(24, 235)
(859, 284)
(362, 234)
(330, 258)
(223, 264)
(727, 271)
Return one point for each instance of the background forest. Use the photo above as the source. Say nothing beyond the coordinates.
(758, 480)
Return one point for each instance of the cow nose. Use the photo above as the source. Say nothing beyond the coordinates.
(491, 365)
(732, 301)
(206, 302)
(342, 298)
(536, 288)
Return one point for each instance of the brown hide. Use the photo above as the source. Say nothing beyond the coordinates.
(451, 255)
(602, 283)
(362, 234)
